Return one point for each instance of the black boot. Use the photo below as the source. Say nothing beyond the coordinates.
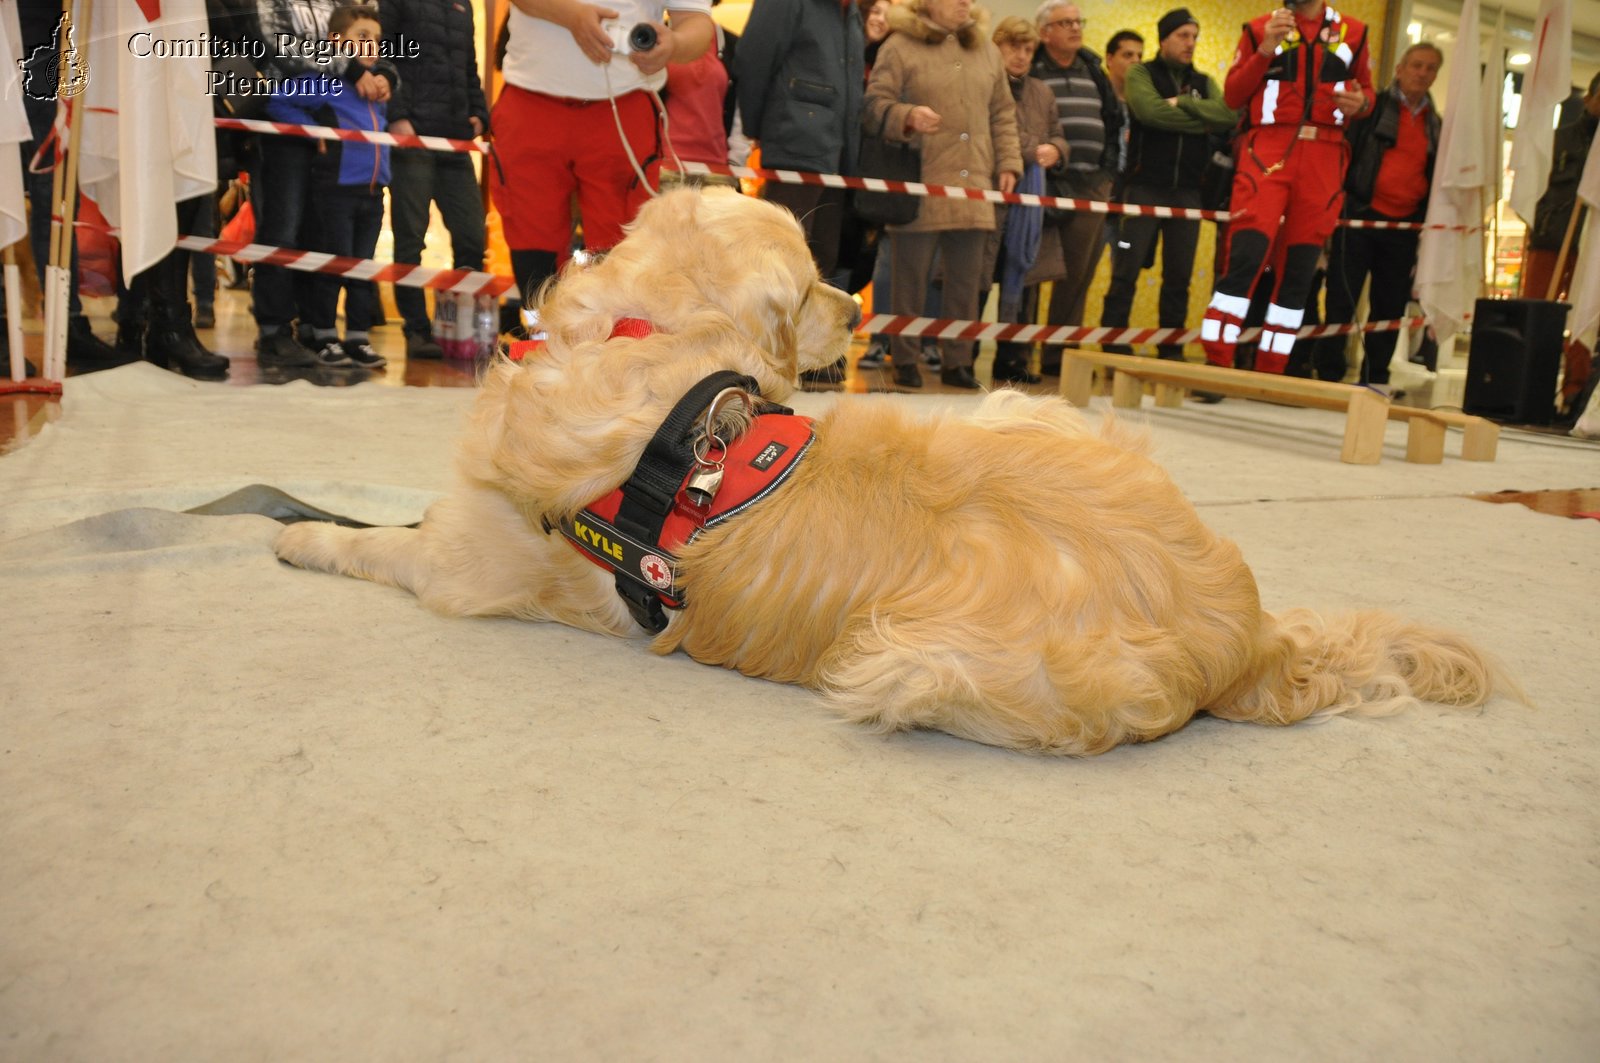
(907, 376)
(1011, 364)
(959, 377)
(170, 342)
(826, 377)
(130, 333)
(88, 353)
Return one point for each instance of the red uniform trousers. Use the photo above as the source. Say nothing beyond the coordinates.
(1287, 195)
(548, 147)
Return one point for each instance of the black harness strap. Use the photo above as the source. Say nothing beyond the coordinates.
(649, 494)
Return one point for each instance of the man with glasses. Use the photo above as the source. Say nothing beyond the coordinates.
(1091, 123)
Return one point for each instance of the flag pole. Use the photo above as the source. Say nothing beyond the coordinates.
(1566, 246)
(19, 371)
(52, 279)
(66, 201)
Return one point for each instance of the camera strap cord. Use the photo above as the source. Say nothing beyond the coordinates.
(661, 118)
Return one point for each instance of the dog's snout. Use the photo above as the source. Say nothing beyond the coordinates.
(855, 316)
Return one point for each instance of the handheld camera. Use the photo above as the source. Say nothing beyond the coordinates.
(641, 38)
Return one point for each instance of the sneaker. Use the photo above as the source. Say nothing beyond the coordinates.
(332, 355)
(931, 356)
(422, 345)
(363, 355)
(280, 350)
(873, 359)
(205, 317)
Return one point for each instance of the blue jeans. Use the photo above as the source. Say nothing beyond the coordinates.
(347, 222)
(203, 267)
(421, 176)
(279, 188)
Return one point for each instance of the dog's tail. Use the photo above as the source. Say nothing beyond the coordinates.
(1368, 663)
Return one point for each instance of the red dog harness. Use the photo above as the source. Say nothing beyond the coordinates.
(675, 491)
(754, 465)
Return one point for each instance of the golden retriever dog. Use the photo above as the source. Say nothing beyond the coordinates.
(1004, 574)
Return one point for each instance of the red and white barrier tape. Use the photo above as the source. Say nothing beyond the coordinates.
(474, 282)
(1093, 206)
(322, 132)
(869, 184)
(467, 281)
(940, 328)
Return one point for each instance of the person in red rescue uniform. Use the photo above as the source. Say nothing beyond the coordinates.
(1301, 75)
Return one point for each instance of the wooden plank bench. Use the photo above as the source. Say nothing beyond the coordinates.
(1366, 412)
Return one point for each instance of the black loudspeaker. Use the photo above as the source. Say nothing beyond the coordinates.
(1513, 360)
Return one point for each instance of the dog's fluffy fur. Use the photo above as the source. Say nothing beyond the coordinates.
(1007, 575)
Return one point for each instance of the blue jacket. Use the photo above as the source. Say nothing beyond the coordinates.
(325, 99)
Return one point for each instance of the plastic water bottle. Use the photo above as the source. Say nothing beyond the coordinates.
(485, 329)
(453, 325)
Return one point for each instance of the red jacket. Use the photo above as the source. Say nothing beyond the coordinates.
(1296, 83)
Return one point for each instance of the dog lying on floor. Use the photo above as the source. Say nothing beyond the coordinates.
(1005, 575)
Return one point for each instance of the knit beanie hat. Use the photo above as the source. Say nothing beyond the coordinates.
(1173, 21)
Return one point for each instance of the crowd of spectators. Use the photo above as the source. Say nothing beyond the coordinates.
(1026, 105)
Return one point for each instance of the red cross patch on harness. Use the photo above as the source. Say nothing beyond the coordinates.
(754, 465)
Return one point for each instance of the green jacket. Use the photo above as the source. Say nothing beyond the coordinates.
(1169, 146)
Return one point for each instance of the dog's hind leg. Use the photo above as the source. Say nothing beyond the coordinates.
(1057, 697)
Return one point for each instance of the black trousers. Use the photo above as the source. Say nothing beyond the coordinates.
(821, 212)
(1389, 258)
(1131, 249)
(418, 178)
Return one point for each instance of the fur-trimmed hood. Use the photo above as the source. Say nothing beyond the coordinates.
(912, 19)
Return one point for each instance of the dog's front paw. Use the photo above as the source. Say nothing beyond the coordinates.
(301, 545)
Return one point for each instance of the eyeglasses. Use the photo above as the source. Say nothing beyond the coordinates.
(1067, 23)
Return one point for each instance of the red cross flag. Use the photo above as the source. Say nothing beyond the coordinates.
(1547, 83)
(148, 139)
(1449, 261)
(13, 127)
(1585, 319)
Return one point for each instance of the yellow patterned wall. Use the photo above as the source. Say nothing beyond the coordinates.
(1220, 24)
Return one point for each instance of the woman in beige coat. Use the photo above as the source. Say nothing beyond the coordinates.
(939, 83)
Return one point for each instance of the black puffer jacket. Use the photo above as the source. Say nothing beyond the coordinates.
(440, 90)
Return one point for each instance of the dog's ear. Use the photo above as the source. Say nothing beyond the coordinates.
(765, 270)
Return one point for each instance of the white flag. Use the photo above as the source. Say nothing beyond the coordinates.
(1547, 83)
(1585, 319)
(148, 141)
(1449, 257)
(1491, 101)
(13, 127)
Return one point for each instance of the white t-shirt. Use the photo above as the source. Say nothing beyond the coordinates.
(541, 56)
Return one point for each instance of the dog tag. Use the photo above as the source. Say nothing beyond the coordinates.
(703, 484)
